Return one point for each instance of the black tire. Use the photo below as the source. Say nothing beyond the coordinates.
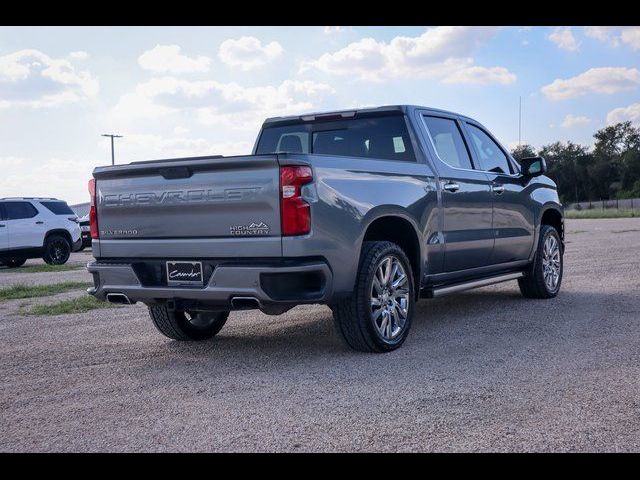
(180, 325)
(57, 250)
(13, 262)
(353, 316)
(533, 284)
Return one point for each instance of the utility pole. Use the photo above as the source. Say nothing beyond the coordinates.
(520, 121)
(112, 136)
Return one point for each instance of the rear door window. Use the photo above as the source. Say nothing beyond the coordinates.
(448, 141)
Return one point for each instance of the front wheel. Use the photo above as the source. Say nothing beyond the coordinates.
(545, 274)
(184, 325)
(56, 250)
(377, 316)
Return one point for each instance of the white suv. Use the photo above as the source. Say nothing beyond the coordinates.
(37, 227)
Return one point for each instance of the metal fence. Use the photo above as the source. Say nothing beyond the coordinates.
(622, 203)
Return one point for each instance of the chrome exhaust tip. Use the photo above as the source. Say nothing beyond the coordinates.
(119, 298)
(245, 303)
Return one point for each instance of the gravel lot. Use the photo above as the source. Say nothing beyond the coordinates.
(485, 370)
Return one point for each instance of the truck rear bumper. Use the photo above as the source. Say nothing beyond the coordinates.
(229, 287)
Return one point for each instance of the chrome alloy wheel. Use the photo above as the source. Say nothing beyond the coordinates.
(390, 297)
(551, 263)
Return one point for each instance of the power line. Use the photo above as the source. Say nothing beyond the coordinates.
(112, 136)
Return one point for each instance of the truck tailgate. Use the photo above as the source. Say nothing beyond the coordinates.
(216, 206)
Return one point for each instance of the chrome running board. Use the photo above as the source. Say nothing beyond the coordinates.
(482, 282)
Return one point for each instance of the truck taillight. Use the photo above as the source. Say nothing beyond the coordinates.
(93, 210)
(294, 211)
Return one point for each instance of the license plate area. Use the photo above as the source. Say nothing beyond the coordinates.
(184, 273)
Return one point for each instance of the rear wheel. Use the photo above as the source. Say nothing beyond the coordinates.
(377, 317)
(56, 250)
(184, 325)
(13, 262)
(545, 275)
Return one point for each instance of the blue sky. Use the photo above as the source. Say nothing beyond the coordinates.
(205, 90)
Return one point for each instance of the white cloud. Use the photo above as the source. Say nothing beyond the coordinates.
(6, 162)
(615, 36)
(79, 55)
(248, 52)
(605, 80)
(149, 146)
(440, 52)
(134, 106)
(481, 76)
(331, 30)
(574, 121)
(604, 34)
(168, 59)
(564, 38)
(632, 112)
(48, 177)
(215, 103)
(32, 78)
(631, 36)
(171, 92)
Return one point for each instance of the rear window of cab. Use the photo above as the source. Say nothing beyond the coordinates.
(384, 138)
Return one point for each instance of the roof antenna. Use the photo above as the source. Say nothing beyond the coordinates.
(520, 121)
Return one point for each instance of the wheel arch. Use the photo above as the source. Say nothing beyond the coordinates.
(552, 214)
(58, 231)
(397, 227)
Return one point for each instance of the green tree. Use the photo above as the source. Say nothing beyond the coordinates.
(568, 165)
(523, 151)
(616, 162)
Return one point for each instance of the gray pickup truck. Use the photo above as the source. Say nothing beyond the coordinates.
(364, 210)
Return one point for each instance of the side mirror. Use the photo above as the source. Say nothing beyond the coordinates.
(533, 166)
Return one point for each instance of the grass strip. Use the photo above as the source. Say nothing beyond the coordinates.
(66, 307)
(44, 268)
(610, 213)
(31, 291)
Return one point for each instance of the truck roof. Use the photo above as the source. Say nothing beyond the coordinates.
(351, 113)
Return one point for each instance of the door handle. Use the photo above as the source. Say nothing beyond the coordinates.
(39, 222)
(1, 225)
(498, 189)
(451, 187)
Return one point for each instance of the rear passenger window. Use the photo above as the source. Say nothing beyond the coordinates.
(19, 210)
(492, 158)
(448, 142)
(59, 208)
